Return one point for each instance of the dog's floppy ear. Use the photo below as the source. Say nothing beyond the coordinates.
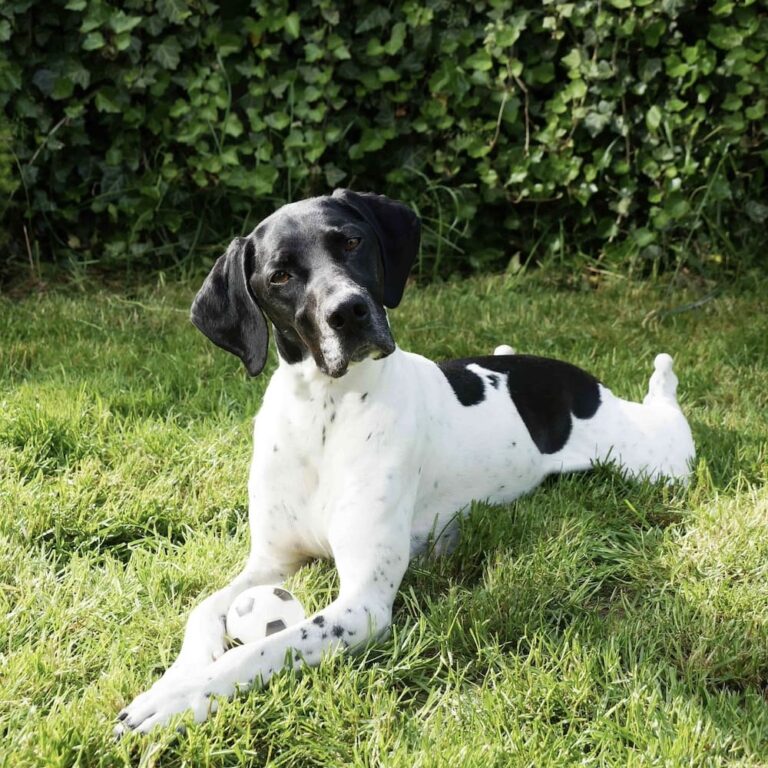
(226, 312)
(398, 230)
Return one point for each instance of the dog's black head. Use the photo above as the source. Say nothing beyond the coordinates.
(321, 270)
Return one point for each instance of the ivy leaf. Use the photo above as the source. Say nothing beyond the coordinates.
(293, 25)
(121, 22)
(480, 60)
(93, 41)
(175, 11)
(105, 102)
(395, 42)
(725, 37)
(333, 174)
(62, 88)
(166, 53)
(378, 17)
(653, 118)
(44, 79)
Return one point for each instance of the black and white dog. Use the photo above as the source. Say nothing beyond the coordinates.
(362, 450)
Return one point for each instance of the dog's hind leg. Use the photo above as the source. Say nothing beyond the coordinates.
(650, 440)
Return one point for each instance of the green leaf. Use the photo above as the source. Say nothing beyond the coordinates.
(653, 118)
(313, 52)
(480, 60)
(573, 59)
(277, 120)
(167, 52)
(378, 17)
(175, 11)
(121, 22)
(263, 180)
(93, 41)
(395, 42)
(45, 80)
(62, 88)
(293, 25)
(333, 174)
(725, 37)
(5, 31)
(105, 102)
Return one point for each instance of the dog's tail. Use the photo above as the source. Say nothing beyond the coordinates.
(662, 386)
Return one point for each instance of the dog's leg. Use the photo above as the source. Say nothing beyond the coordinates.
(371, 559)
(204, 635)
(204, 639)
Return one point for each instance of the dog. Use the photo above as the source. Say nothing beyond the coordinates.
(363, 452)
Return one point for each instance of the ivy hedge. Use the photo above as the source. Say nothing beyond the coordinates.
(147, 131)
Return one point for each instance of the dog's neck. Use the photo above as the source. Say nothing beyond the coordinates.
(306, 379)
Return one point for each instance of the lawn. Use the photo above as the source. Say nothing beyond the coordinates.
(595, 622)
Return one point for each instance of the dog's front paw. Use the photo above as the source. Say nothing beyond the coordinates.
(167, 697)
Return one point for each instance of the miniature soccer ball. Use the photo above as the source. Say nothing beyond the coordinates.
(261, 611)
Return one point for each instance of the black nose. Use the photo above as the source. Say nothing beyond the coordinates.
(351, 311)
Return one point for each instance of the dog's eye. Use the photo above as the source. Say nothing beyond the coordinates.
(352, 243)
(279, 278)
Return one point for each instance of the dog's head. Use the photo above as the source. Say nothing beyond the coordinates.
(321, 271)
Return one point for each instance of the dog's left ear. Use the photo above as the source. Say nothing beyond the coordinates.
(226, 311)
(398, 229)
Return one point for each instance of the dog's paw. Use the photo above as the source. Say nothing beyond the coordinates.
(166, 698)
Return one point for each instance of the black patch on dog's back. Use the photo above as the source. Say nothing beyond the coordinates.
(467, 386)
(545, 392)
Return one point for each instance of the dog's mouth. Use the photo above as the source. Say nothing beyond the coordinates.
(369, 349)
(377, 350)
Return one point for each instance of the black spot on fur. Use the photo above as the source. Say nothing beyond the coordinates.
(337, 630)
(333, 417)
(319, 620)
(363, 396)
(274, 449)
(467, 386)
(546, 393)
(323, 434)
(304, 634)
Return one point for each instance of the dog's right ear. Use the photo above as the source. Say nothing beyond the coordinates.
(226, 311)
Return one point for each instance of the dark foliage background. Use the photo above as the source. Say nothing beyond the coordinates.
(147, 132)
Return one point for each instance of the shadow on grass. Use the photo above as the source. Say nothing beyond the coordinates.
(592, 557)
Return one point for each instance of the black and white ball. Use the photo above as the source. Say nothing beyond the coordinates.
(261, 611)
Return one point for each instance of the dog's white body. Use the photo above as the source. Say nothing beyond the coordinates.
(365, 469)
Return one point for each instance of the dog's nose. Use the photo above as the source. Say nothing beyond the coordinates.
(349, 312)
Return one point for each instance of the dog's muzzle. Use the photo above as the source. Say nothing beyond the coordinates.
(357, 329)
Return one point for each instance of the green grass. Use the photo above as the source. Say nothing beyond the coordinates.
(596, 622)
